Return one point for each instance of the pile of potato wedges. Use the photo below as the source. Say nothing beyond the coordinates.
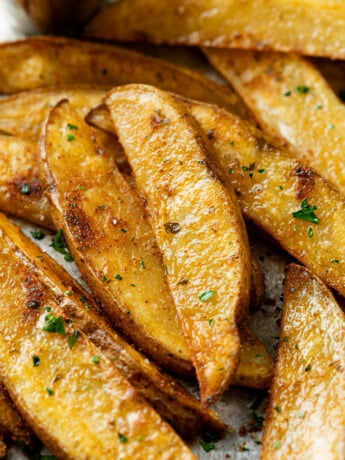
(150, 175)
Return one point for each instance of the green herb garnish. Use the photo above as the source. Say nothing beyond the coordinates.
(59, 245)
(306, 213)
(72, 339)
(53, 323)
(206, 295)
(38, 235)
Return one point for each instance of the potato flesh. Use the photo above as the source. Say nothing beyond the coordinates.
(163, 393)
(259, 24)
(306, 416)
(189, 207)
(49, 61)
(74, 421)
(293, 104)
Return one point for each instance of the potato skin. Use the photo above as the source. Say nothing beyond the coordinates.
(306, 415)
(78, 406)
(55, 61)
(257, 24)
(197, 223)
(293, 104)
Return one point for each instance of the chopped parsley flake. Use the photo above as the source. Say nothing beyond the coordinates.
(277, 444)
(118, 277)
(277, 408)
(306, 213)
(335, 261)
(307, 368)
(302, 89)
(210, 322)
(95, 360)
(104, 279)
(49, 391)
(72, 126)
(310, 232)
(231, 171)
(36, 360)
(25, 189)
(287, 93)
(59, 245)
(70, 137)
(53, 323)
(262, 171)
(72, 339)
(206, 295)
(38, 235)
(207, 446)
(142, 263)
(122, 438)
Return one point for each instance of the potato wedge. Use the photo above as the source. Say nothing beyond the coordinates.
(261, 24)
(163, 393)
(104, 224)
(23, 114)
(20, 187)
(11, 423)
(306, 415)
(48, 61)
(209, 275)
(270, 186)
(75, 399)
(293, 103)
(3, 446)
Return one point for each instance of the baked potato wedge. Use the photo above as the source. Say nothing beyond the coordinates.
(75, 399)
(293, 103)
(195, 220)
(23, 114)
(12, 426)
(49, 61)
(271, 186)
(261, 24)
(164, 393)
(306, 414)
(20, 186)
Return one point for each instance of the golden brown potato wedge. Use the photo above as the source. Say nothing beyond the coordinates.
(20, 186)
(271, 186)
(23, 114)
(293, 103)
(315, 28)
(48, 61)
(306, 415)
(75, 399)
(164, 393)
(104, 224)
(11, 423)
(195, 220)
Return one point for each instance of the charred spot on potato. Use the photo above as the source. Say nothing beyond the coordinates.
(78, 221)
(172, 227)
(211, 134)
(304, 183)
(27, 186)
